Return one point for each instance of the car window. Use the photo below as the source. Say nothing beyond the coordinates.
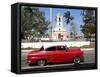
(61, 48)
(51, 49)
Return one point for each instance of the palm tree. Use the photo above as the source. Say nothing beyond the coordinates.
(69, 20)
(68, 17)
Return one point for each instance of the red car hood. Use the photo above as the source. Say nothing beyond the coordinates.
(74, 49)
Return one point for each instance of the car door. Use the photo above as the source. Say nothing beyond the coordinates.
(62, 54)
(51, 54)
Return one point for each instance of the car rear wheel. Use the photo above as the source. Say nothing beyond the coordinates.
(77, 60)
(41, 63)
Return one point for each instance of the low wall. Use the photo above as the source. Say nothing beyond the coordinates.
(47, 44)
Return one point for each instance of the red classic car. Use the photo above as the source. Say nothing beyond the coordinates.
(55, 54)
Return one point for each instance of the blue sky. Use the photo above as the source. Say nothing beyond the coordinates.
(74, 12)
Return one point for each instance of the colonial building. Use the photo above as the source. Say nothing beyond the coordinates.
(59, 33)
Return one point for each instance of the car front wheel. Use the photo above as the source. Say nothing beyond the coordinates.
(77, 60)
(41, 63)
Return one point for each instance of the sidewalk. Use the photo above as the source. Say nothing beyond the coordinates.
(83, 49)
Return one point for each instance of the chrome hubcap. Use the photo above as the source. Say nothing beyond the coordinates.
(41, 63)
(77, 60)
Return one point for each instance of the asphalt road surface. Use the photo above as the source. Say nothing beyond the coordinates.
(89, 57)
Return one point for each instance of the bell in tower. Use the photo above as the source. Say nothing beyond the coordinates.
(59, 19)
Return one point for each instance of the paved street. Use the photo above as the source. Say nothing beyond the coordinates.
(89, 57)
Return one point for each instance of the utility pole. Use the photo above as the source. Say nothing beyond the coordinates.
(50, 23)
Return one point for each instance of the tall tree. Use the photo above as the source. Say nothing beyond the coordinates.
(88, 28)
(33, 22)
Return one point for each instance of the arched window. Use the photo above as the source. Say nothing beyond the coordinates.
(59, 19)
(59, 36)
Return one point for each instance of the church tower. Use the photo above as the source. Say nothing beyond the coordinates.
(59, 33)
(58, 20)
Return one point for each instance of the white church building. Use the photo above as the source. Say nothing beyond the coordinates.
(59, 32)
